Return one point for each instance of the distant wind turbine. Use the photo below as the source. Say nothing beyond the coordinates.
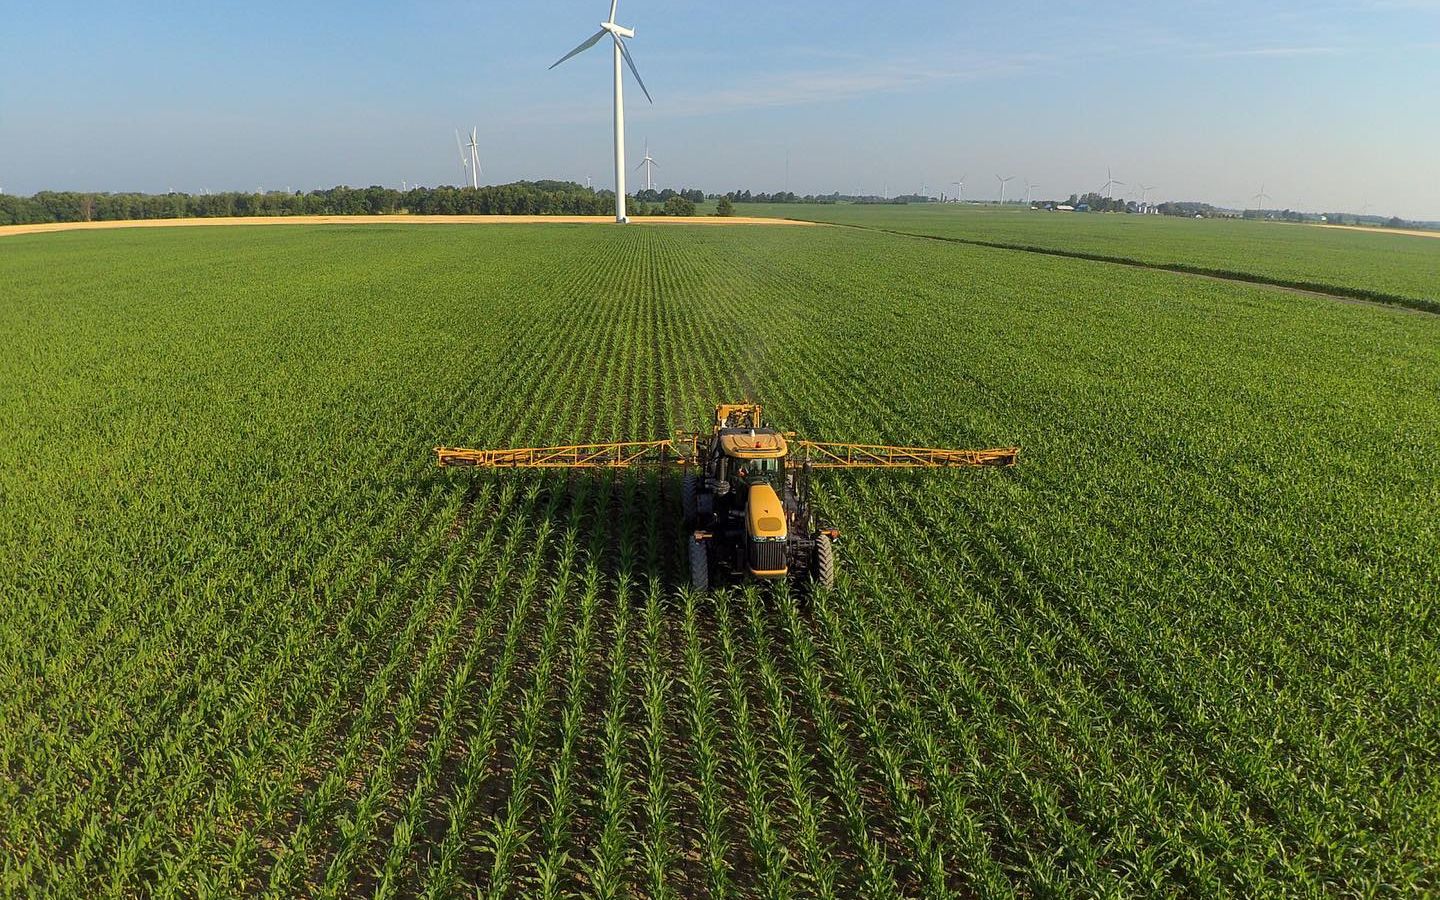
(474, 158)
(1145, 190)
(1261, 197)
(648, 164)
(1029, 187)
(622, 54)
(464, 160)
(1003, 182)
(1110, 182)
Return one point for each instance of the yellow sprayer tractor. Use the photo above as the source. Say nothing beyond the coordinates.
(746, 503)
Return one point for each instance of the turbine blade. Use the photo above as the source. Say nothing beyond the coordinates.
(595, 39)
(613, 4)
(633, 71)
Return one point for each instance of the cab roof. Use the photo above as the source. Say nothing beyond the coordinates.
(746, 443)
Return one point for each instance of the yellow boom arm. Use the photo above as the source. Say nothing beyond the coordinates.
(618, 455)
(872, 456)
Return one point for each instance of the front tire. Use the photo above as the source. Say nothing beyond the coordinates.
(824, 565)
(699, 565)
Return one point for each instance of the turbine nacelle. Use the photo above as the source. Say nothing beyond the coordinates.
(618, 30)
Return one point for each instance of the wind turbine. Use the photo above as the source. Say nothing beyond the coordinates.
(1261, 197)
(1003, 182)
(474, 158)
(1028, 188)
(1109, 183)
(464, 160)
(959, 189)
(648, 164)
(1145, 190)
(617, 33)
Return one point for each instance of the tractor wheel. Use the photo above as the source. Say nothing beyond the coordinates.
(824, 572)
(699, 565)
(688, 488)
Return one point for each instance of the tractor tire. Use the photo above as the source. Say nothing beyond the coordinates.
(699, 566)
(823, 572)
(688, 488)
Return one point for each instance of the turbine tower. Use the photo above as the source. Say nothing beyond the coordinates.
(1029, 187)
(1003, 182)
(1261, 197)
(959, 189)
(648, 164)
(474, 158)
(622, 53)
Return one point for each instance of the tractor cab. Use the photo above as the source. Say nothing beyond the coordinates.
(751, 455)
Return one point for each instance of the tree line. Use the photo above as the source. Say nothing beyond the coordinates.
(537, 198)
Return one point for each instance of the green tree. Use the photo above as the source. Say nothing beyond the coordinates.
(724, 207)
(677, 205)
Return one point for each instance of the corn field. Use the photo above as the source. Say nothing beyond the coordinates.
(253, 643)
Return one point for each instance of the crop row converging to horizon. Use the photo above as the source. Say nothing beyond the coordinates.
(255, 642)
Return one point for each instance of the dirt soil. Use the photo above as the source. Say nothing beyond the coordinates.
(1366, 228)
(392, 220)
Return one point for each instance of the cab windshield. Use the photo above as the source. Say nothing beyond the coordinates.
(753, 470)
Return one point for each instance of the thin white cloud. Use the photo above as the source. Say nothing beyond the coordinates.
(796, 88)
(1403, 5)
(1280, 51)
(825, 85)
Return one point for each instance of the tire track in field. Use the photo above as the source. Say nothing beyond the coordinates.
(1332, 292)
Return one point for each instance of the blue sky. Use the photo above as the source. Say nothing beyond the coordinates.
(1331, 105)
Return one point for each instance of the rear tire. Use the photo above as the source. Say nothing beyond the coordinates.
(824, 566)
(688, 487)
(699, 565)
